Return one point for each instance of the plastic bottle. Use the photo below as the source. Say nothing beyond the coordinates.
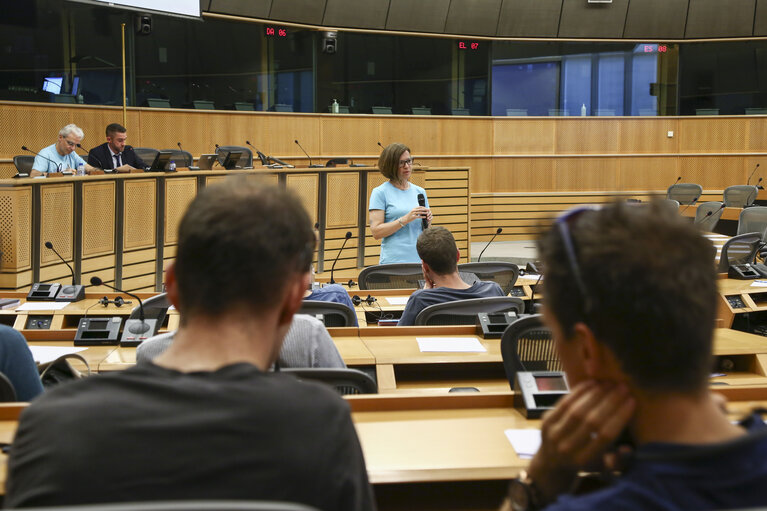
(80, 169)
(334, 107)
(583, 110)
(172, 166)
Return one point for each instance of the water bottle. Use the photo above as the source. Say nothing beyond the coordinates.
(583, 110)
(172, 166)
(80, 169)
(334, 107)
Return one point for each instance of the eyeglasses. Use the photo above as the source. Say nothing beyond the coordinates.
(403, 163)
(563, 224)
(70, 143)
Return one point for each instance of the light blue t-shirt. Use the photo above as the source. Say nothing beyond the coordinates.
(396, 203)
(70, 161)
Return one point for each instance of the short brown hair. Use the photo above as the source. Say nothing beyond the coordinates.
(238, 243)
(115, 128)
(651, 291)
(436, 247)
(388, 162)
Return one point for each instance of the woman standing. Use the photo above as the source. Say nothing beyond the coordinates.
(395, 216)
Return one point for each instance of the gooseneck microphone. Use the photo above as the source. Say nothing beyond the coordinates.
(690, 204)
(179, 146)
(497, 232)
(422, 203)
(101, 165)
(677, 180)
(311, 166)
(381, 145)
(49, 246)
(72, 293)
(709, 213)
(58, 165)
(261, 156)
(332, 268)
(133, 326)
(749, 177)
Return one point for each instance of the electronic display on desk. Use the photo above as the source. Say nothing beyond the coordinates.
(538, 391)
(53, 84)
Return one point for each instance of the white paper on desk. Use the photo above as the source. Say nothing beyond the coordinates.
(42, 306)
(525, 441)
(45, 354)
(397, 300)
(759, 283)
(450, 344)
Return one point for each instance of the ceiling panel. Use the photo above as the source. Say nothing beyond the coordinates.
(582, 19)
(720, 18)
(528, 18)
(248, 8)
(298, 11)
(760, 25)
(476, 17)
(656, 19)
(418, 15)
(356, 13)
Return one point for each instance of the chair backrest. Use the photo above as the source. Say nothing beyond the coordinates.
(739, 249)
(527, 345)
(182, 158)
(246, 160)
(345, 381)
(155, 307)
(740, 196)
(23, 163)
(147, 154)
(391, 276)
(7, 392)
(753, 219)
(187, 505)
(684, 193)
(464, 312)
(334, 313)
(707, 222)
(503, 273)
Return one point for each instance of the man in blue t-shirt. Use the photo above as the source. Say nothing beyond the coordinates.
(631, 298)
(439, 262)
(61, 156)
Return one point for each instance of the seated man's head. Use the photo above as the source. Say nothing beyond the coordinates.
(438, 252)
(630, 294)
(243, 249)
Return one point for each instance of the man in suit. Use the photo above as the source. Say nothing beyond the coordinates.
(114, 154)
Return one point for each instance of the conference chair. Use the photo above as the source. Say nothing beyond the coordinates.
(333, 313)
(391, 276)
(671, 204)
(147, 154)
(158, 103)
(706, 222)
(203, 104)
(464, 312)
(684, 193)
(187, 505)
(244, 106)
(753, 219)
(527, 345)
(23, 163)
(740, 249)
(246, 160)
(345, 381)
(740, 196)
(182, 158)
(7, 392)
(382, 110)
(503, 273)
(336, 161)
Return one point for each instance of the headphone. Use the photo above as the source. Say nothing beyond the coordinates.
(119, 302)
(356, 300)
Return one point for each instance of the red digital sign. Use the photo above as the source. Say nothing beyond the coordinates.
(463, 45)
(276, 31)
(655, 48)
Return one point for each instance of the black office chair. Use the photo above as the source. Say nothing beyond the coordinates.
(740, 196)
(740, 249)
(333, 313)
(23, 163)
(246, 160)
(187, 505)
(753, 219)
(7, 392)
(707, 222)
(336, 161)
(527, 345)
(503, 273)
(345, 381)
(464, 312)
(391, 276)
(147, 154)
(182, 158)
(684, 193)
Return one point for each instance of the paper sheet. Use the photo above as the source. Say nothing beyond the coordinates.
(525, 441)
(45, 354)
(42, 306)
(397, 300)
(759, 283)
(450, 344)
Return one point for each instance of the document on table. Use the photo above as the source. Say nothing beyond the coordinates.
(42, 306)
(525, 441)
(759, 283)
(450, 344)
(397, 300)
(45, 354)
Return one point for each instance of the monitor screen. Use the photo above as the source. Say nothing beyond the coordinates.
(75, 86)
(53, 84)
(189, 8)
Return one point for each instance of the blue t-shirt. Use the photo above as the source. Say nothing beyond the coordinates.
(400, 246)
(69, 161)
(422, 298)
(670, 477)
(333, 293)
(17, 364)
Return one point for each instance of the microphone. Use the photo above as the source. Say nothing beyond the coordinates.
(677, 180)
(73, 293)
(760, 187)
(717, 210)
(499, 231)
(382, 147)
(332, 268)
(101, 165)
(261, 156)
(315, 166)
(179, 146)
(690, 204)
(747, 182)
(280, 162)
(58, 165)
(422, 202)
(134, 328)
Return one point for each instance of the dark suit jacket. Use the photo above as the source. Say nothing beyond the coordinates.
(101, 157)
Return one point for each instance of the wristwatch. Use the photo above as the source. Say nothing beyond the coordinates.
(523, 495)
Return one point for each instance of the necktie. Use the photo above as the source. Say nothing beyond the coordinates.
(118, 163)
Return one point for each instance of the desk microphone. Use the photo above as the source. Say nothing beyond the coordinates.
(73, 293)
(101, 164)
(675, 182)
(58, 165)
(382, 147)
(688, 205)
(332, 268)
(747, 182)
(311, 166)
(422, 203)
(261, 156)
(179, 146)
(709, 213)
(497, 232)
(133, 327)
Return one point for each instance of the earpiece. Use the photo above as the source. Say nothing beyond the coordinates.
(356, 300)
